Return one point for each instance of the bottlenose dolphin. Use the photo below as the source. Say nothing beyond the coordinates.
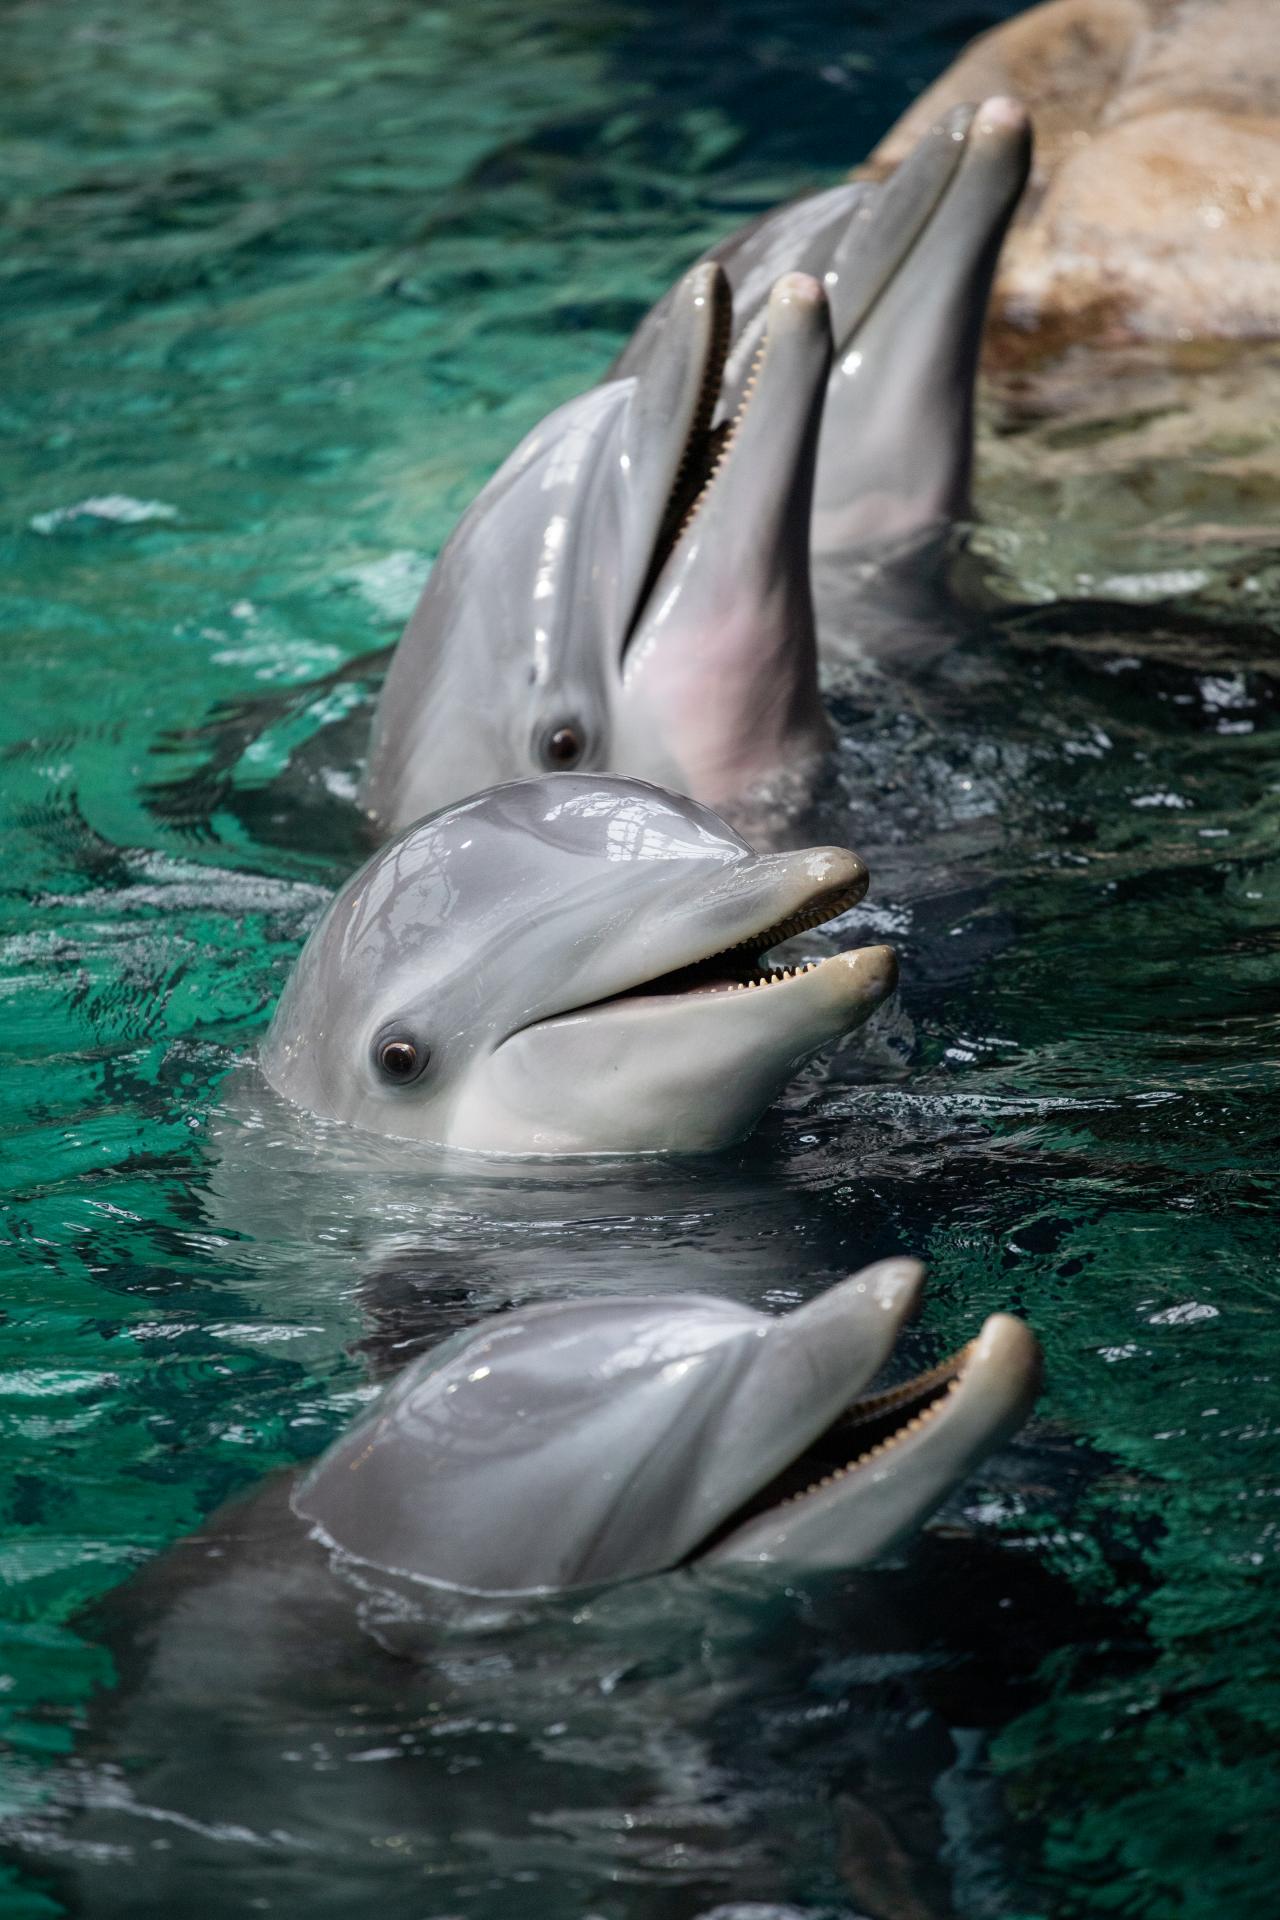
(569, 965)
(907, 265)
(303, 1717)
(591, 1441)
(630, 591)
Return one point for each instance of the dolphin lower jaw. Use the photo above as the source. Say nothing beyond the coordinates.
(879, 1471)
(721, 700)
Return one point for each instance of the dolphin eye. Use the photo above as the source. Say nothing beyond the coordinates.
(562, 747)
(400, 1060)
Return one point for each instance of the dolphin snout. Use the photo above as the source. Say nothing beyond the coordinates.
(796, 291)
(871, 973)
(798, 319)
(1002, 114)
(1001, 136)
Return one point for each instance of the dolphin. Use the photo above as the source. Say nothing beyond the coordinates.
(587, 1442)
(907, 265)
(306, 1715)
(569, 965)
(630, 592)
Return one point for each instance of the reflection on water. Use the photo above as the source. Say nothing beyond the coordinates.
(283, 292)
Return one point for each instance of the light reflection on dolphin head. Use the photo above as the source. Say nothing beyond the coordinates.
(630, 593)
(569, 965)
(600, 1440)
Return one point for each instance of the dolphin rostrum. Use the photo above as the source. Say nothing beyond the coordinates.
(591, 1441)
(569, 965)
(630, 592)
(907, 265)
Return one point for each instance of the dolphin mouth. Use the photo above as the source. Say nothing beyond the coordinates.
(707, 448)
(741, 967)
(869, 1428)
(919, 1438)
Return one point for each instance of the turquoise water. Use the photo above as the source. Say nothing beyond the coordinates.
(280, 290)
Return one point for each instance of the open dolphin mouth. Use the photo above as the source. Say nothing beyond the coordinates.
(715, 422)
(888, 1458)
(868, 1429)
(742, 966)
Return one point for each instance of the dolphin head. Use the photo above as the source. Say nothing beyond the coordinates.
(630, 592)
(568, 965)
(907, 266)
(601, 1440)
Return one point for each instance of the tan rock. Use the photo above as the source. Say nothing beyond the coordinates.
(1154, 208)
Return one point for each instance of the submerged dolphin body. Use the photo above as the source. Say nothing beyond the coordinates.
(569, 965)
(907, 266)
(592, 1441)
(630, 591)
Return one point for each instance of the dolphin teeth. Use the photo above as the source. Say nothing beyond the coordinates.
(932, 1381)
(760, 943)
(723, 438)
(828, 909)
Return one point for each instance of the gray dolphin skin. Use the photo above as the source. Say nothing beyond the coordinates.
(907, 266)
(631, 590)
(593, 1441)
(569, 965)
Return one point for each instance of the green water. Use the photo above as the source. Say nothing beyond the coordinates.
(280, 288)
